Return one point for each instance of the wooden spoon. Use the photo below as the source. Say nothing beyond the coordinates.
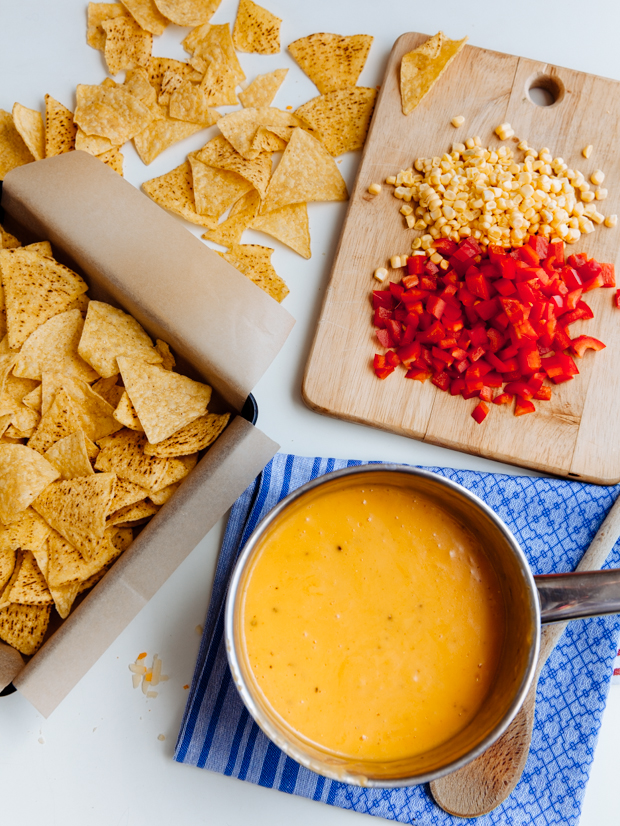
(483, 784)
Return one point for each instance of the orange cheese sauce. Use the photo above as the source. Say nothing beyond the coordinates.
(373, 622)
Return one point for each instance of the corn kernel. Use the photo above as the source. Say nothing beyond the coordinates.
(410, 221)
(600, 194)
(611, 221)
(443, 264)
(597, 177)
(380, 274)
(391, 180)
(416, 244)
(587, 196)
(598, 218)
(587, 150)
(522, 145)
(436, 258)
(395, 262)
(572, 236)
(374, 189)
(458, 147)
(406, 209)
(459, 120)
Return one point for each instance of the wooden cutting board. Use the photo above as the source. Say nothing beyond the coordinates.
(577, 433)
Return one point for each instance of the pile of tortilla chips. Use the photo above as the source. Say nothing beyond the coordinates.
(96, 433)
(227, 186)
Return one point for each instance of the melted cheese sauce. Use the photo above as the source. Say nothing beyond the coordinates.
(373, 622)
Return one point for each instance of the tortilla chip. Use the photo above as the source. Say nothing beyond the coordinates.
(261, 92)
(24, 474)
(214, 43)
(24, 626)
(168, 360)
(189, 103)
(36, 288)
(341, 118)
(7, 560)
(254, 262)
(161, 496)
(114, 159)
(243, 128)
(306, 172)
(30, 587)
(422, 68)
(64, 596)
(67, 565)
(60, 129)
(29, 124)
(188, 12)
(54, 347)
(220, 154)
(42, 247)
(164, 401)
(94, 414)
(77, 509)
(8, 241)
(256, 29)
(109, 332)
(33, 399)
(25, 419)
(215, 190)
(133, 514)
(123, 453)
(289, 224)
(13, 150)
(125, 494)
(5, 421)
(126, 414)
(127, 45)
(330, 60)
(147, 15)
(109, 390)
(229, 232)
(218, 85)
(175, 191)
(59, 421)
(97, 13)
(159, 135)
(69, 456)
(171, 81)
(159, 67)
(113, 113)
(28, 532)
(93, 144)
(137, 82)
(195, 436)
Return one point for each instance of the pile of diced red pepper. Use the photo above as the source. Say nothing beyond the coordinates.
(493, 321)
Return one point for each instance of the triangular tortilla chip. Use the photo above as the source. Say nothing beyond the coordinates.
(218, 85)
(24, 626)
(125, 494)
(245, 129)
(289, 224)
(341, 118)
(158, 67)
(422, 68)
(97, 13)
(262, 90)
(66, 564)
(229, 232)
(30, 587)
(42, 247)
(60, 130)
(254, 262)
(256, 29)
(133, 514)
(123, 453)
(29, 124)
(109, 390)
(77, 509)
(25, 419)
(190, 103)
(64, 597)
(159, 135)
(188, 12)
(220, 154)
(160, 497)
(127, 45)
(33, 399)
(69, 456)
(13, 150)
(147, 15)
(306, 172)
(175, 191)
(111, 112)
(168, 360)
(94, 414)
(330, 60)
(7, 560)
(109, 332)
(93, 144)
(215, 190)
(24, 474)
(114, 159)
(36, 288)
(164, 401)
(214, 43)
(125, 414)
(195, 436)
(8, 241)
(28, 531)
(53, 346)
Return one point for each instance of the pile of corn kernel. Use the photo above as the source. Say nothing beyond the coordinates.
(484, 193)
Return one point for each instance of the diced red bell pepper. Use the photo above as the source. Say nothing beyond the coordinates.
(582, 343)
(392, 358)
(493, 379)
(539, 244)
(571, 278)
(495, 252)
(382, 314)
(409, 353)
(543, 394)
(381, 367)
(535, 382)
(442, 356)
(480, 412)
(395, 330)
(507, 268)
(435, 306)
(445, 246)
(523, 406)
(410, 281)
(594, 283)
(582, 310)
(608, 271)
(519, 388)
(385, 339)
(486, 394)
(433, 334)
(416, 264)
(382, 298)
(419, 374)
(487, 309)
(441, 380)
(428, 282)
(478, 285)
(503, 398)
(409, 334)
(528, 255)
(457, 386)
(589, 270)
(396, 289)
(577, 260)
(617, 299)
(529, 359)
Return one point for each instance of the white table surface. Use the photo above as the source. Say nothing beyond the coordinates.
(98, 760)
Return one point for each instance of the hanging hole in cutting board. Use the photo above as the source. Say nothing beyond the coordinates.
(544, 90)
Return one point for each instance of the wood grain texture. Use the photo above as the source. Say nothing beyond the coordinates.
(573, 434)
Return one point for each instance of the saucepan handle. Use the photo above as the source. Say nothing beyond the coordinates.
(578, 595)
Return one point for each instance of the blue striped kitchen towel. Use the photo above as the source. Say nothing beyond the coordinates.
(554, 521)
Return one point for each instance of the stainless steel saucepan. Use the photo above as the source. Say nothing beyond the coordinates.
(529, 601)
